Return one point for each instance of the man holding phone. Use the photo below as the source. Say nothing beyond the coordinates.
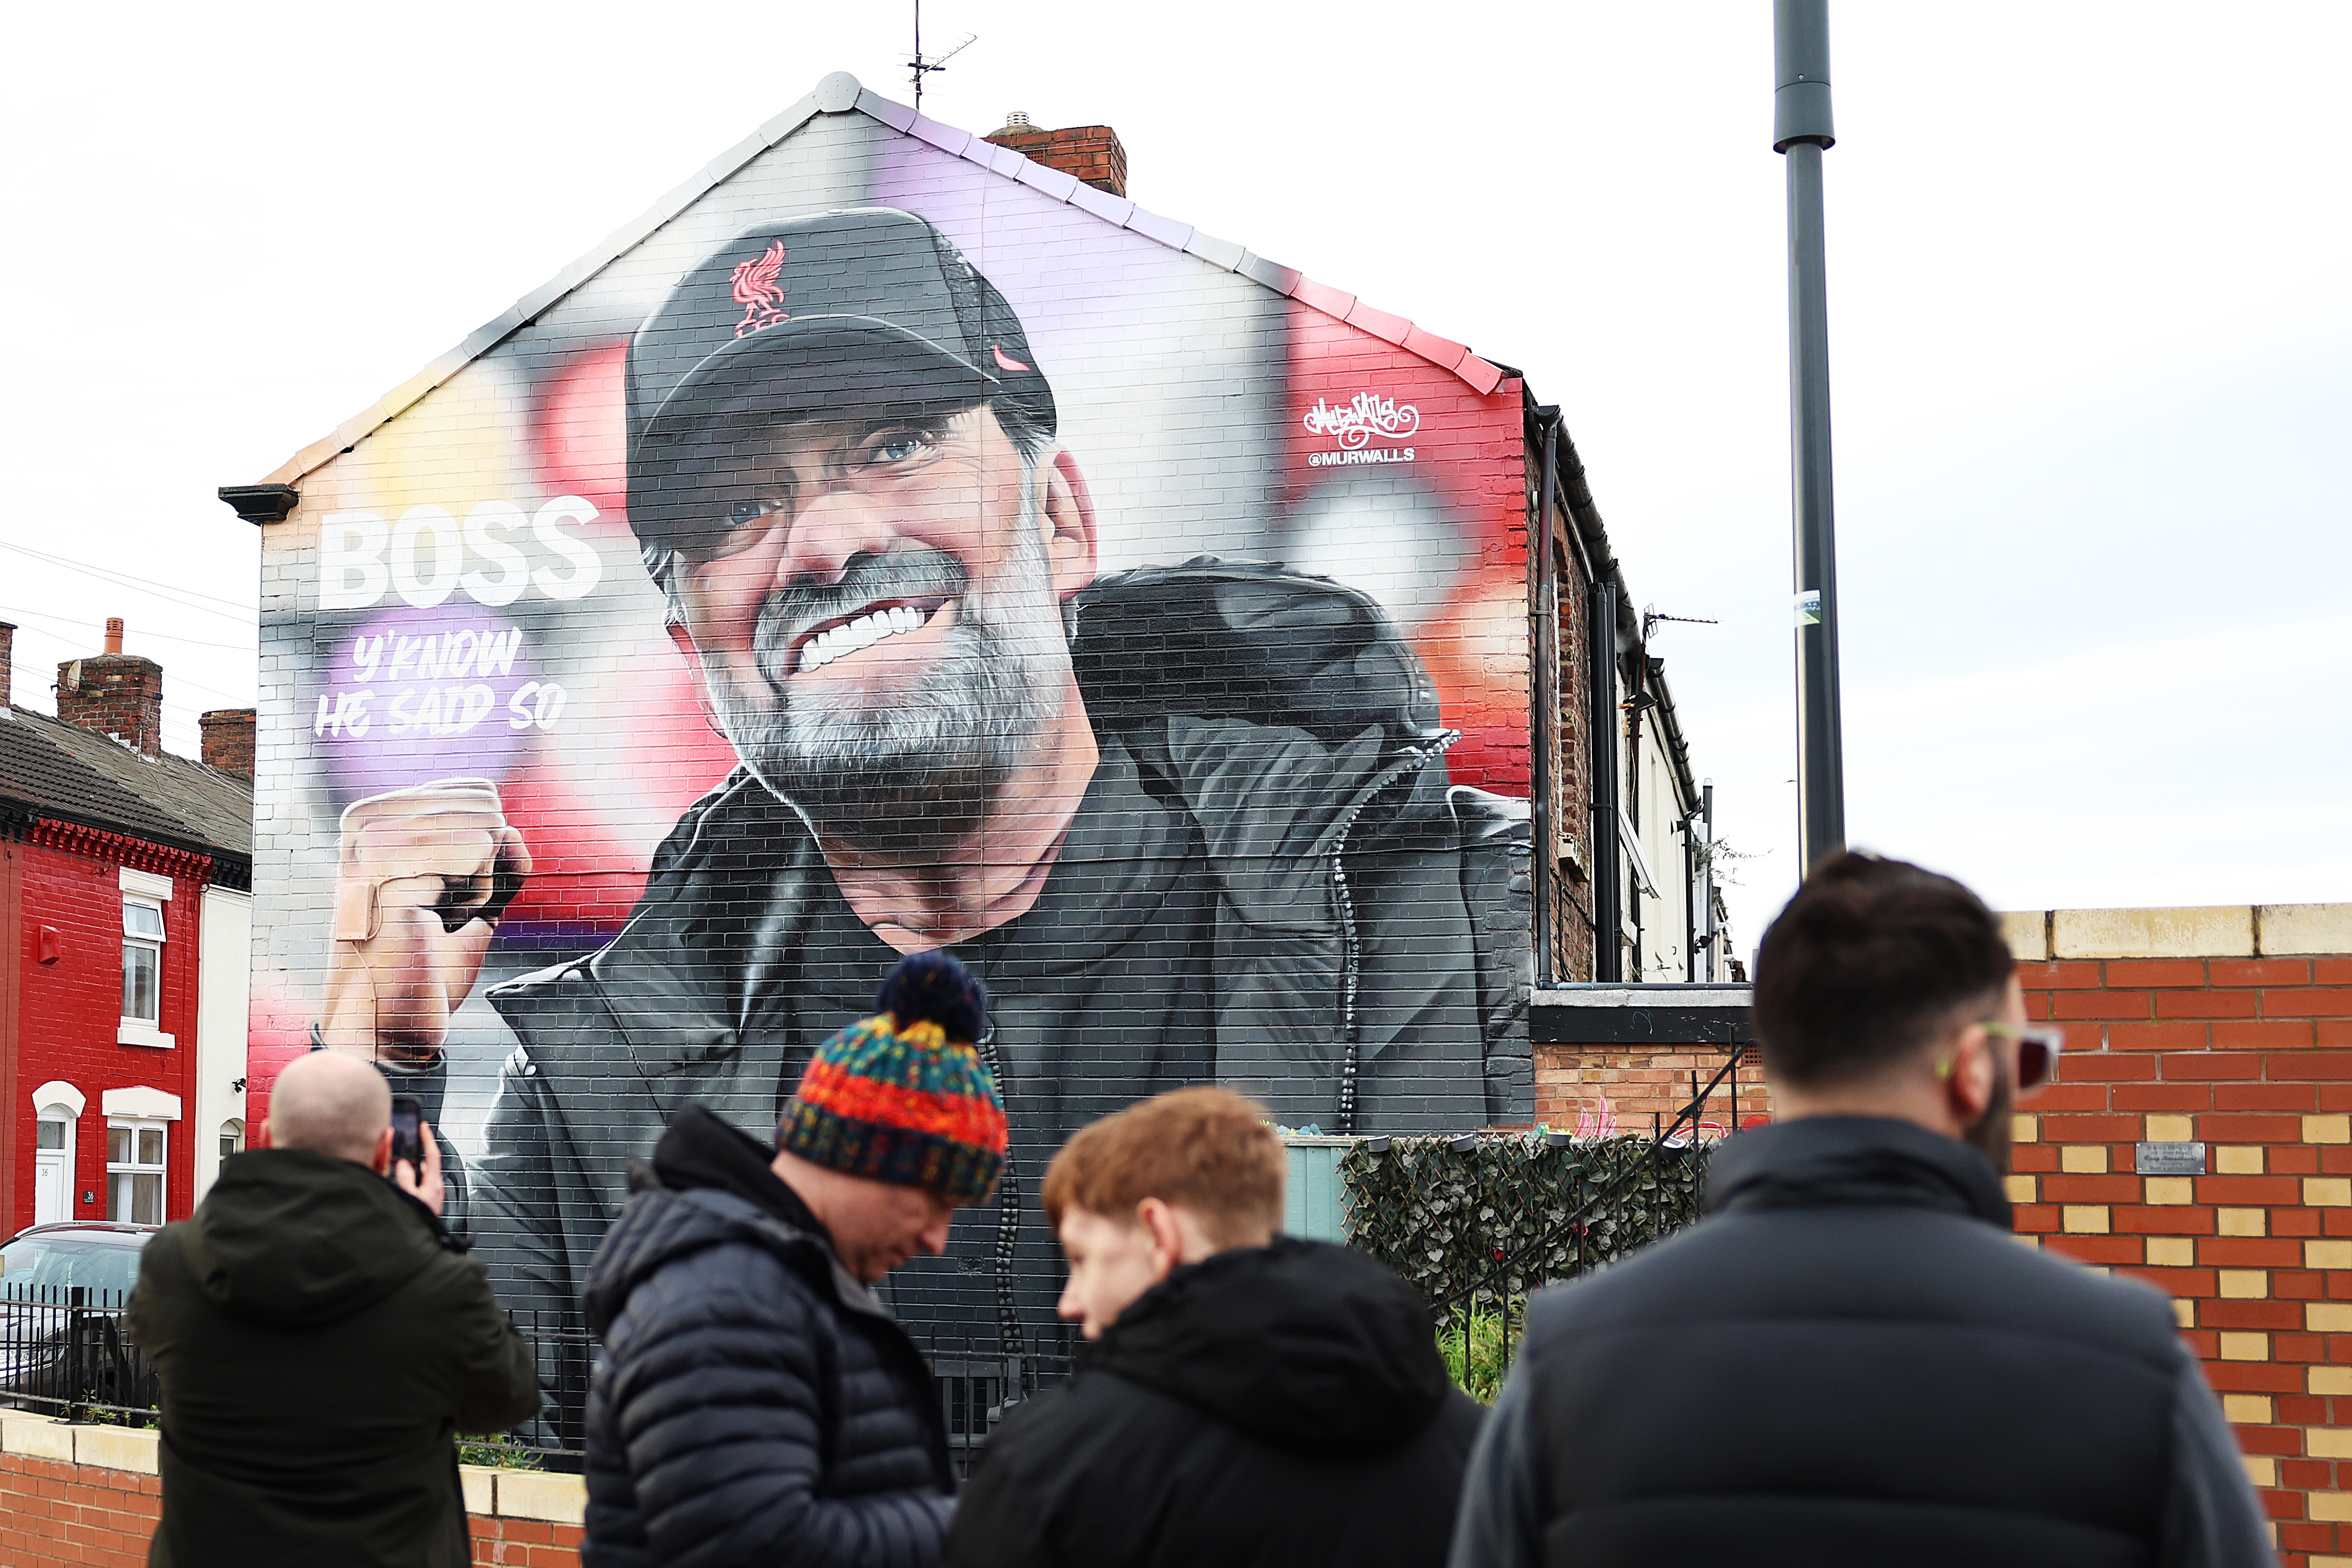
(320, 1343)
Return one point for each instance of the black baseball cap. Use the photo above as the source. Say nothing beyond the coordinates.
(810, 317)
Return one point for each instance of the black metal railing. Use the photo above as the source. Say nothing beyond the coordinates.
(63, 1353)
(978, 1387)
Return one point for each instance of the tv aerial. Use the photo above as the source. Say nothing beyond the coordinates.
(918, 67)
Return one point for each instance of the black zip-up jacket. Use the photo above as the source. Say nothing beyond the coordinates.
(1354, 942)
(1852, 1361)
(1271, 1406)
(754, 1403)
(320, 1345)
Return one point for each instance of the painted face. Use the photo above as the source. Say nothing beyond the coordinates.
(877, 1226)
(1112, 1264)
(874, 615)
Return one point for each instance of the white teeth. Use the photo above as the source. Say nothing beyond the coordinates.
(863, 633)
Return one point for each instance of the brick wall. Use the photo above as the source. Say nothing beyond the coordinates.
(69, 1008)
(56, 1512)
(59, 1508)
(2208, 1025)
(1596, 1090)
(229, 740)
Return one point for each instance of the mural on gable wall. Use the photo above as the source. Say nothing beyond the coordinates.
(873, 558)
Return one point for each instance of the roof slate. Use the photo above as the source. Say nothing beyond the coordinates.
(53, 768)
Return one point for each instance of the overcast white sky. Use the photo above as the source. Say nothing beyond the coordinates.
(2091, 330)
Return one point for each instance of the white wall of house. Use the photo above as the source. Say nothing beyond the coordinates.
(224, 990)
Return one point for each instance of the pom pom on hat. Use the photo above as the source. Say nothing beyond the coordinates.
(936, 986)
(903, 1097)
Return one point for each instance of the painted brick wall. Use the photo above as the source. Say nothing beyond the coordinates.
(2250, 1054)
(71, 1010)
(460, 595)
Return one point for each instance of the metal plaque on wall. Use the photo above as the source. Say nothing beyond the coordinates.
(2169, 1159)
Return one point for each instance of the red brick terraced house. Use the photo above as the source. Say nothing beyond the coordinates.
(125, 909)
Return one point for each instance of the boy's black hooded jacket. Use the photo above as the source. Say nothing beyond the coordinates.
(1272, 1405)
(319, 1347)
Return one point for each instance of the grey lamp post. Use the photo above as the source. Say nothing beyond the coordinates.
(1802, 132)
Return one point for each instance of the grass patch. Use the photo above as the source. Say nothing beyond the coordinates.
(499, 1455)
(1475, 1345)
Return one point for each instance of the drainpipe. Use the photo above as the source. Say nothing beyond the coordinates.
(1706, 816)
(1544, 731)
(1601, 715)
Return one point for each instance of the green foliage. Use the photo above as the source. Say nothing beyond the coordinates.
(1476, 1343)
(503, 1455)
(1488, 1224)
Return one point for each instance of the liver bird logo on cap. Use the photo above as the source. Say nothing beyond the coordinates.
(757, 290)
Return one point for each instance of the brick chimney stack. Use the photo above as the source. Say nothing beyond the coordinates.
(7, 657)
(1089, 153)
(229, 740)
(115, 694)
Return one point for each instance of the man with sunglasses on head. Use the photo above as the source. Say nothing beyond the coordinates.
(1851, 1360)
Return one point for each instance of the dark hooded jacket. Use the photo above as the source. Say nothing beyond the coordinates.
(754, 1403)
(1276, 1405)
(1271, 884)
(319, 1347)
(1852, 1361)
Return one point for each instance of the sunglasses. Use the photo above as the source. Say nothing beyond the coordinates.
(2038, 1045)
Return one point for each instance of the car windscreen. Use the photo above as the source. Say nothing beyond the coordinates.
(42, 1267)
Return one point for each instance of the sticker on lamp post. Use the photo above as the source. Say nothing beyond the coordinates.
(1809, 607)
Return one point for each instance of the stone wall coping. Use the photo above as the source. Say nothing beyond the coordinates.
(1606, 996)
(2211, 931)
(489, 1491)
(540, 1494)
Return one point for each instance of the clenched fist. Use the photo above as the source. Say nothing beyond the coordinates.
(424, 876)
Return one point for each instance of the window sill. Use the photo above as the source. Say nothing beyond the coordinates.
(134, 1032)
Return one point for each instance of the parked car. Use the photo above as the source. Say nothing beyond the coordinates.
(62, 1290)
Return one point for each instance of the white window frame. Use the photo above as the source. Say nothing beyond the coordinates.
(153, 892)
(135, 1168)
(233, 1130)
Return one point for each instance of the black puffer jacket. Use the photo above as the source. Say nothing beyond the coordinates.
(1276, 1405)
(1853, 1362)
(755, 1404)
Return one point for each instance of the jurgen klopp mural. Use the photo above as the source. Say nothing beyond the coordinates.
(896, 549)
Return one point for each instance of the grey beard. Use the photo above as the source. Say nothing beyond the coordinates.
(920, 771)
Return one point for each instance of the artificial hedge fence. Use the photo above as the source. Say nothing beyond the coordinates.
(1479, 1222)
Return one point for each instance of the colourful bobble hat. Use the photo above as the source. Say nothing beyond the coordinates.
(903, 1097)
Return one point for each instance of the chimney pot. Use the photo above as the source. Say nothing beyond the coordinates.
(114, 633)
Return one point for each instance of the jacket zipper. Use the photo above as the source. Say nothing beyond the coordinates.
(1351, 1026)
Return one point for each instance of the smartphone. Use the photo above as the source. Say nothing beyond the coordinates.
(408, 1131)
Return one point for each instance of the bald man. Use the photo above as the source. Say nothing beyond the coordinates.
(320, 1344)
